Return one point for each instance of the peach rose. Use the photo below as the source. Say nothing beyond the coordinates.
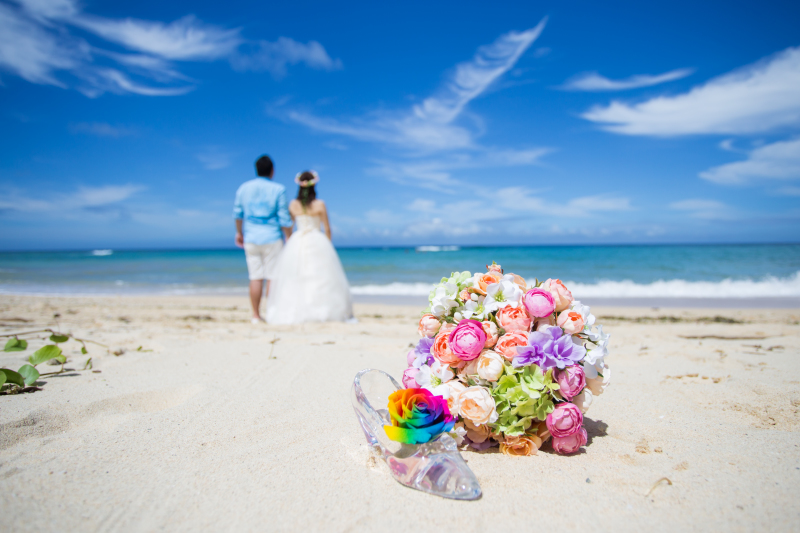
(441, 349)
(522, 445)
(542, 323)
(490, 328)
(520, 282)
(494, 267)
(484, 280)
(490, 365)
(584, 400)
(560, 293)
(468, 368)
(428, 326)
(507, 344)
(456, 388)
(571, 322)
(514, 319)
(447, 327)
(477, 405)
(477, 433)
(598, 385)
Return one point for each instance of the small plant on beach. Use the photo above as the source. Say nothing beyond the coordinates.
(25, 378)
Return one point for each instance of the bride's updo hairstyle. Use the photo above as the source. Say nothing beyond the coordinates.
(307, 192)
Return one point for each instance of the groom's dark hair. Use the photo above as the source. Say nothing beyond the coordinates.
(264, 166)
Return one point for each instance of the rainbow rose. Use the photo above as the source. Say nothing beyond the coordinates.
(418, 416)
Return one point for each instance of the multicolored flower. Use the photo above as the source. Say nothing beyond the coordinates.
(418, 416)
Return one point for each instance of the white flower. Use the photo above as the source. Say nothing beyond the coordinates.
(469, 370)
(583, 310)
(443, 299)
(435, 378)
(458, 433)
(599, 383)
(597, 350)
(475, 309)
(501, 294)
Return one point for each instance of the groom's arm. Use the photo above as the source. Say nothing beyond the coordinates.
(284, 218)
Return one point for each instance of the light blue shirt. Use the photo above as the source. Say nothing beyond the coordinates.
(261, 203)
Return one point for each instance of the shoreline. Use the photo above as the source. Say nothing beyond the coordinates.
(421, 301)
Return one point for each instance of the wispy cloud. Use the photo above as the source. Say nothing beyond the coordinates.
(101, 129)
(703, 208)
(432, 125)
(275, 57)
(776, 161)
(105, 199)
(213, 158)
(760, 97)
(36, 44)
(592, 81)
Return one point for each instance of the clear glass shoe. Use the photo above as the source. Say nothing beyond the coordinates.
(435, 467)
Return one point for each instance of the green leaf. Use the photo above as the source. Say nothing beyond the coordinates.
(88, 365)
(13, 377)
(83, 350)
(45, 353)
(29, 374)
(2, 377)
(58, 338)
(15, 345)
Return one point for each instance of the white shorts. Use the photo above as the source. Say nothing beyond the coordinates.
(261, 259)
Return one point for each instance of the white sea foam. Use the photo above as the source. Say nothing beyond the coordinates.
(102, 252)
(769, 287)
(437, 248)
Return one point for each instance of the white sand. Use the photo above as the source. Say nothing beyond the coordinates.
(207, 433)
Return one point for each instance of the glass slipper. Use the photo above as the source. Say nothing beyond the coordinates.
(435, 467)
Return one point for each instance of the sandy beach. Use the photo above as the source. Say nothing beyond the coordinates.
(218, 425)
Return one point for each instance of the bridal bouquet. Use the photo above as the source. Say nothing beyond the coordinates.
(502, 362)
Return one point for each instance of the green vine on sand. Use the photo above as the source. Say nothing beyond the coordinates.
(24, 379)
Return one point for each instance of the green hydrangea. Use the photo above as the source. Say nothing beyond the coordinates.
(522, 396)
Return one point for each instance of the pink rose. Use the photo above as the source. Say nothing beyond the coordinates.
(565, 420)
(560, 293)
(571, 322)
(539, 303)
(570, 444)
(507, 344)
(408, 378)
(490, 328)
(514, 319)
(428, 326)
(571, 381)
(467, 340)
(411, 357)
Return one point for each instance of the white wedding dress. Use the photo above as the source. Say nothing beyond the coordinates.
(309, 284)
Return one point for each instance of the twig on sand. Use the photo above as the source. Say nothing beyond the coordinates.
(723, 338)
(272, 348)
(656, 484)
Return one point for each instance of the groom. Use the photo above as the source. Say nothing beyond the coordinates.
(261, 214)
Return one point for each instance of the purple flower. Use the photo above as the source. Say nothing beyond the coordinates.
(548, 349)
(421, 355)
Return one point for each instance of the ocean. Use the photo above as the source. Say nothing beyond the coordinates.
(591, 272)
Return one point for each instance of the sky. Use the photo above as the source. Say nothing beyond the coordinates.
(131, 124)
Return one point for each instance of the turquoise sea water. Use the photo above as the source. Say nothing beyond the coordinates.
(712, 271)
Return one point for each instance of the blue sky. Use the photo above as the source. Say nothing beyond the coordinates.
(130, 125)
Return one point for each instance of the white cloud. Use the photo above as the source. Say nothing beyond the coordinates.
(31, 52)
(776, 161)
(592, 81)
(789, 191)
(100, 196)
(274, 57)
(703, 208)
(214, 159)
(83, 199)
(101, 129)
(760, 97)
(600, 203)
(36, 44)
(430, 126)
(185, 39)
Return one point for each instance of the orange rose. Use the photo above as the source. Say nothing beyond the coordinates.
(522, 445)
(441, 349)
(507, 344)
(485, 280)
(514, 319)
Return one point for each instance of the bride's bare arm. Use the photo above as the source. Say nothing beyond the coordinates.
(324, 217)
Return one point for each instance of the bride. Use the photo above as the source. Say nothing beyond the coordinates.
(309, 284)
